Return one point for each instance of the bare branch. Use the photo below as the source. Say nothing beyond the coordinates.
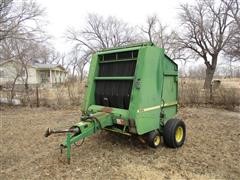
(208, 29)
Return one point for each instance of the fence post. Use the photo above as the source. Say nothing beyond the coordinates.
(211, 93)
(37, 96)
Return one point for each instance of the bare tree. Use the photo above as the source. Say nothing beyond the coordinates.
(196, 72)
(207, 28)
(49, 55)
(234, 6)
(78, 60)
(150, 28)
(74, 59)
(24, 53)
(83, 61)
(15, 17)
(99, 33)
(232, 49)
(20, 21)
(15, 73)
(160, 35)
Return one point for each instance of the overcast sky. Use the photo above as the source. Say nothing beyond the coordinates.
(62, 14)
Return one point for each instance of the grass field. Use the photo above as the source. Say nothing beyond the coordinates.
(211, 149)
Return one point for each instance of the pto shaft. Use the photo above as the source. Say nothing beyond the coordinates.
(74, 130)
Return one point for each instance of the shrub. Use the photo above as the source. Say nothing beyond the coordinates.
(229, 98)
(189, 92)
(75, 92)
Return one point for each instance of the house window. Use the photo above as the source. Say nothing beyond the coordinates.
(44, 77)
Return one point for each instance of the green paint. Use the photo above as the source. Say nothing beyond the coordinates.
(123, 60)
(154, 92)
(68, 144)
(115, 78)
(154, 83)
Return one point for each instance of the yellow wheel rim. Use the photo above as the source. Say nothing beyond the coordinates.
(157, 140)
(179, 134)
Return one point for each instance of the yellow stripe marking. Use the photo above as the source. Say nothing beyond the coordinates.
(156, 107)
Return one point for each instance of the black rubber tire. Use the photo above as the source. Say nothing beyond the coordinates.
(169, 132)
(151, 136)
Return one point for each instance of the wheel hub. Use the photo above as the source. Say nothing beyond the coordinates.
(157, 140)
(179, 134)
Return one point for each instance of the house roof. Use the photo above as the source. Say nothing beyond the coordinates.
(38, 65)
(47, 66)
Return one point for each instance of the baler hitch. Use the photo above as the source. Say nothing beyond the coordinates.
(88, 126)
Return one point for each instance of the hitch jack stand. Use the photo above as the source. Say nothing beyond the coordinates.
(68, 147)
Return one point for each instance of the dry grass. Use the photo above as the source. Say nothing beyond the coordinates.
(68, 94)
(190, 93)
(211, 150)
(226, 96)
(229, 98)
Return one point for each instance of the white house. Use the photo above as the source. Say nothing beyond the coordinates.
(48, 74)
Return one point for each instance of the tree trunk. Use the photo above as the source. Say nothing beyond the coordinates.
(37, 96)
(12, 94)
(209, 77)
(81, 75)
(26, 85)
(231, 69)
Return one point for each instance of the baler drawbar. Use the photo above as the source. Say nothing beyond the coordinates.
(86, 127)
(131, 90)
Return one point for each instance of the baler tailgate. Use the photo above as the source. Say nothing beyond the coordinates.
(115, 79)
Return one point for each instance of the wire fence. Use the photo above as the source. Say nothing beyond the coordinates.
(69, 93)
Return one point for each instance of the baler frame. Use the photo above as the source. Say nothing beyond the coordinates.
(106, 107)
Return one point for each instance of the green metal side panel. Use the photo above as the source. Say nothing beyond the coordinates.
(137, 84)
(170, 90)
(170, 96)
(149, 95)
(157, 75)
(169, 66)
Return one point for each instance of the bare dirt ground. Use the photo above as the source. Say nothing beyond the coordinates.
(212, 149)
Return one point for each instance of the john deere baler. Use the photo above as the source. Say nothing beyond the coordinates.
(130, 90)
